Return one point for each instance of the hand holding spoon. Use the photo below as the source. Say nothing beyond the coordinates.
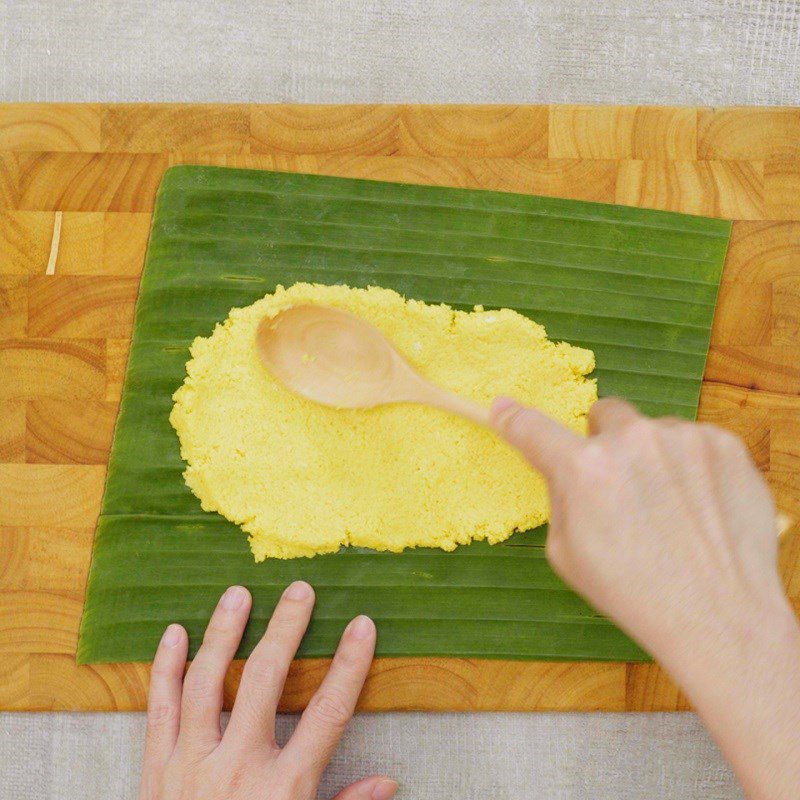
(335, 358)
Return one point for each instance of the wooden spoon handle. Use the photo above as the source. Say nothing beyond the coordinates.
(437, 397)
(465, 408)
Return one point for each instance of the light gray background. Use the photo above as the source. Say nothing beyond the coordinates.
(643, 51)
(713, 52)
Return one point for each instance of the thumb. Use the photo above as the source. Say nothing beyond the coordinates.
(376, 787)
(546, 444)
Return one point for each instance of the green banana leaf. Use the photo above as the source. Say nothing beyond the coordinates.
(638, 287)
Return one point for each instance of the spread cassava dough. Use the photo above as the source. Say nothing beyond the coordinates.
(303, 479)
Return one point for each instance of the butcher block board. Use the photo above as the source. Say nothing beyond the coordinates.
(91, 172)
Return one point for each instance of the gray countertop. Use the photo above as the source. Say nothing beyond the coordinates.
(710, 52)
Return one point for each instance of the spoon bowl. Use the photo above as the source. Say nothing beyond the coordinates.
(335, 358)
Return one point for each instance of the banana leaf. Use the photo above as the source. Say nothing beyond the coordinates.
(636, 286)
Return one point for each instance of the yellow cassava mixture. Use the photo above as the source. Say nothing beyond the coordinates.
(303, 479)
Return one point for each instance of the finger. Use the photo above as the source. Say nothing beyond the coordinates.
(610, 414)
(202, 688)
(330, 709)
(547, 444)
(253, 717)
(164, 701)
(377, 787)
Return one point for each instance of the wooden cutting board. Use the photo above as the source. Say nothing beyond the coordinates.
(66, 313)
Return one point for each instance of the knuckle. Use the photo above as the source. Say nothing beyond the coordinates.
(728, 442)
(217, 629)
(594, 462)
(199, 686)
(703, 449)
(330, 709)
(349, 659)
(284, 623)
(159, 715)
(261, 671)
(691, 433)
(705, 438)
(642, 436)
(517, 422)
(234, 778)
(161, 671)
(683, 427)
(643, 429)
(699, 448)
(680, 432)
(160, 719)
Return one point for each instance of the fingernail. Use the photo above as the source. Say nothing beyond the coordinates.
(502, 409)
(172, 635)
(233, 598)
(299, 590)
(384, 790)
(361, 627)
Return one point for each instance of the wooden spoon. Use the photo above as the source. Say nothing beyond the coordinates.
(334, 358)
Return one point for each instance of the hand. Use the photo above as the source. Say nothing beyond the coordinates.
(664, 525)
(186, 755)
(667, 527)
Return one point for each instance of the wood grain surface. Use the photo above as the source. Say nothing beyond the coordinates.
(64, 337)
